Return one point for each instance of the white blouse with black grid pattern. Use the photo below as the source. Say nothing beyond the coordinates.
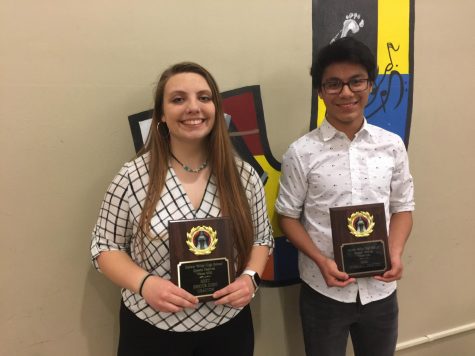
(118, 222)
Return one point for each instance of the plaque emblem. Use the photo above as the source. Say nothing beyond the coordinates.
(201, 240)
(361, 224)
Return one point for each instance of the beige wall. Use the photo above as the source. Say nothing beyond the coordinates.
(72, 71)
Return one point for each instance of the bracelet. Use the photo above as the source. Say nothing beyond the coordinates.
(143, 282)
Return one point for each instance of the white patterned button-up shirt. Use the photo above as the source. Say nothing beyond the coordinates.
(118, 222)
(325, 169)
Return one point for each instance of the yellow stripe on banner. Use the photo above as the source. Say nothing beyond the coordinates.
(272, 189)
(393, 27)
(321, 111)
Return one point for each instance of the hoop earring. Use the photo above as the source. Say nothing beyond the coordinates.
(165, 127)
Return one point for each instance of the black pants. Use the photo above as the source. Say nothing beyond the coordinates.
(139, 338)
(326, 324)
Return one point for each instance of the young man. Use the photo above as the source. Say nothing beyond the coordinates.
(344, 162)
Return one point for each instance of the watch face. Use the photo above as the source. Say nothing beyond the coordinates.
(257, 279)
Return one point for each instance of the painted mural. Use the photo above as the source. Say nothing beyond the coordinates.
(387, 27)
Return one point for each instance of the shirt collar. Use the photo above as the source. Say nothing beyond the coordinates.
(328, 131)
(365, 132)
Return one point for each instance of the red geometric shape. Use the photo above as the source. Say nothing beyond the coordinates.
(244, 118)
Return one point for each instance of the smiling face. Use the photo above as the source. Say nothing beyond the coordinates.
(345, 111)
(188, 108)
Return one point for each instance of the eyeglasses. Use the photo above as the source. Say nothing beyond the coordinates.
(335, 86)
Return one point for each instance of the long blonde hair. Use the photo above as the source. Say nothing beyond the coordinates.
(233, 200)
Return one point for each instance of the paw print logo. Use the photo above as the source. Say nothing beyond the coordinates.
(353, 23)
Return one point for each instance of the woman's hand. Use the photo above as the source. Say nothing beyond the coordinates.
(162, 295)
(237, 294)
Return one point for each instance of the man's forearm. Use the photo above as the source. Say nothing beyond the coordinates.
(400, 227)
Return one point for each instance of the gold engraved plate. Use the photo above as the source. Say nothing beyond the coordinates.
(361, 224)
(201, 240)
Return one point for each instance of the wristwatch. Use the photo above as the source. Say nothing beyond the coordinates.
(256, 280)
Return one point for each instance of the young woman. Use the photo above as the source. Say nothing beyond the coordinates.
(187, 170)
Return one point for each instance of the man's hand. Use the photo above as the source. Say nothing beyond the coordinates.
(395, 273)
(400, 227)
(333, 277)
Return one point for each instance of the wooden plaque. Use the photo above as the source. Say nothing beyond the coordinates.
(201, 255)
(360, 239)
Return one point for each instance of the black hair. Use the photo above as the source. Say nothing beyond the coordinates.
(346, 49)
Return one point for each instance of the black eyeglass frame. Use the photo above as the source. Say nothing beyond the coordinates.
(348, 83)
